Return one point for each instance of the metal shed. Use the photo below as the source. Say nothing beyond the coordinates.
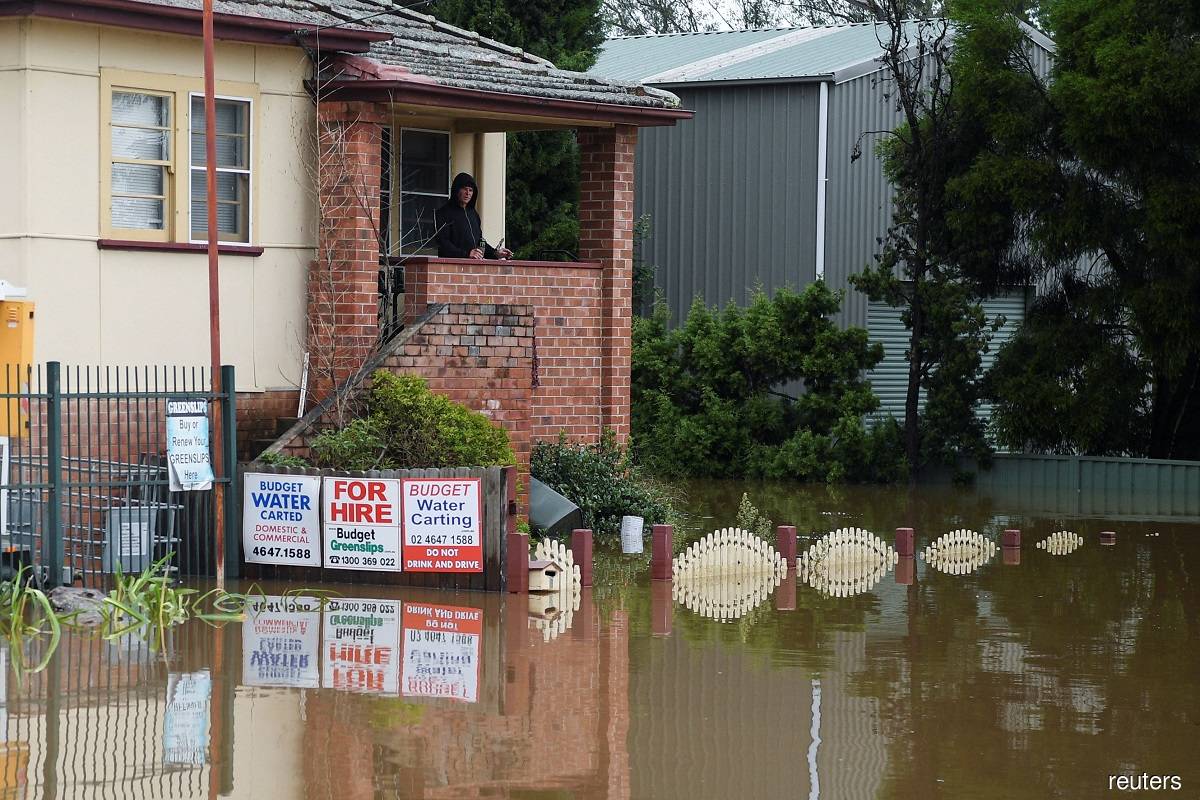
(760, 188)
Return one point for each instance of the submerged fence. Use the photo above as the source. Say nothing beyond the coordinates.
(84, 487)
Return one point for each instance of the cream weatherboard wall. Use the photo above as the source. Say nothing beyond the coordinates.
(118, 307)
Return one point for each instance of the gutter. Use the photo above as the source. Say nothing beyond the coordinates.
(187, 21)
(424, 93)
(822, 177)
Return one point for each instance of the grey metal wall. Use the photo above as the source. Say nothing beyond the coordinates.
(731, 194)
(858, 198)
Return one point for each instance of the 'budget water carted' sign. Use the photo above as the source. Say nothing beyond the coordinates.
(279, 519)
(443, 525)
(441, 651)
(362, 528)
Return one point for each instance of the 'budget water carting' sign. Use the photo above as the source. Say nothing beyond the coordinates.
(362, 530)
(441, 651)
(281, 639)
(361, 643)
(443, 525)
(279, 519)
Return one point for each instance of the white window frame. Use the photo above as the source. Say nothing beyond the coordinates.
(248, 171)
(398, 190)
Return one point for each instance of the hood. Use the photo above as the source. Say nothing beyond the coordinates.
(460, 180)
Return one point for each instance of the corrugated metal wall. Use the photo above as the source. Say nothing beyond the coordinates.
(731, 194)
(890, 378)
(858, 196)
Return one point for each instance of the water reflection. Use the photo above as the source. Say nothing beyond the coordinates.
(1028, 681)
(959, 552)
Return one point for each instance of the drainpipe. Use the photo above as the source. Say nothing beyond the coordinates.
(822, 158)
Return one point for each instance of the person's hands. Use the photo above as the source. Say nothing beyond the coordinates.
(504, 253)
(476, 253)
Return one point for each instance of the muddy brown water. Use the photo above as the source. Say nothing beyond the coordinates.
(1047, 678)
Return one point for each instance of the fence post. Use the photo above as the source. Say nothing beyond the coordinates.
(233, 520)
(53, 546)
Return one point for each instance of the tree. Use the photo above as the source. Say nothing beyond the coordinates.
(923, 266)
(543, 166)
(1093, 177)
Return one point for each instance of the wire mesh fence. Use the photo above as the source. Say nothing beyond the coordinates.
(86, 484)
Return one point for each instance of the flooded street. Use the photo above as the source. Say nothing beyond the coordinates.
(1035, 679)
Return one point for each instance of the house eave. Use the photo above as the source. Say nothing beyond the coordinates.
(423, 93)
(187, 21)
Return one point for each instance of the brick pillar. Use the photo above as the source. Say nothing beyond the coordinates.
(343, 281)
(606, 235)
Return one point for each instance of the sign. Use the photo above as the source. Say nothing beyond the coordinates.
(185, 722)
(189, 464)
(443, 525)
(362, 526)
(361, 644)
(279, 519)
(281, 641)
(441, 651)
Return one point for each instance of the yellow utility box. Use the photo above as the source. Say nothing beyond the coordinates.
(16, 358)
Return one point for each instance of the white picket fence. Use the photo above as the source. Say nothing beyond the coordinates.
(959, 552)
(846, 562)
(726, 574)
(1061, 543)
(552, 612)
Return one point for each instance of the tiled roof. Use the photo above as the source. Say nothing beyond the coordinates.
(444, 54)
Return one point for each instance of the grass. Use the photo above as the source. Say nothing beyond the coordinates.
(26, 613)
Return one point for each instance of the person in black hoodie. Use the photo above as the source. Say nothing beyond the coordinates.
(459, 229)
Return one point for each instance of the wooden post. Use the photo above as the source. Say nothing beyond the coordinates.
(581, 551)
(1010, 538)
(904, 542)
(906, 570)
(1011, 556)
(785, 542)
(517, 568)
(662, 608)
(661, 552)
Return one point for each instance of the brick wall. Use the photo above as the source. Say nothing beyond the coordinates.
(565, 301)
(343, 287)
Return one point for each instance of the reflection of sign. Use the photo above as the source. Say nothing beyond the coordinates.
(362, 530)
(185, 723)
(280, 641)
(189, 465)
(441, 651)
(279, 519)
(361, 645)
(442, 525)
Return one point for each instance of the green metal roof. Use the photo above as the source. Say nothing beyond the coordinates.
(836, 52)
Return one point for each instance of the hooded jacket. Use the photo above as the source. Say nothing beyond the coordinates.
(459, 230)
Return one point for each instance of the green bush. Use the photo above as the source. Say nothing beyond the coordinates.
(706, 400)
(407, 426)
(600, 479)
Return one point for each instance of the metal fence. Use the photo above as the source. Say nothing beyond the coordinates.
(84, 488)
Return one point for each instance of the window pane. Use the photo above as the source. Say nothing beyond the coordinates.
(137, 212)
(233, 206)
(416, 223)
(425, 162)
(233, 127)
(141, 143)
(137, 179)
(133, 108)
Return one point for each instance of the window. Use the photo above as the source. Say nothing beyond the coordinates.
(233, 170)
(422, 185)
(149, 192)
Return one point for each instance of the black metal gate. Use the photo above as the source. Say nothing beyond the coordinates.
(85, 488)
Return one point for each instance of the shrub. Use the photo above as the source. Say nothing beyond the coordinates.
(600, 479)
(706, 398)
(408, 426)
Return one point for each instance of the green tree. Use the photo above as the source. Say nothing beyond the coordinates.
(1092, 180)
(543, 166)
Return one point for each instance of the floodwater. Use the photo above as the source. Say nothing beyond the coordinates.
(1050, 677)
